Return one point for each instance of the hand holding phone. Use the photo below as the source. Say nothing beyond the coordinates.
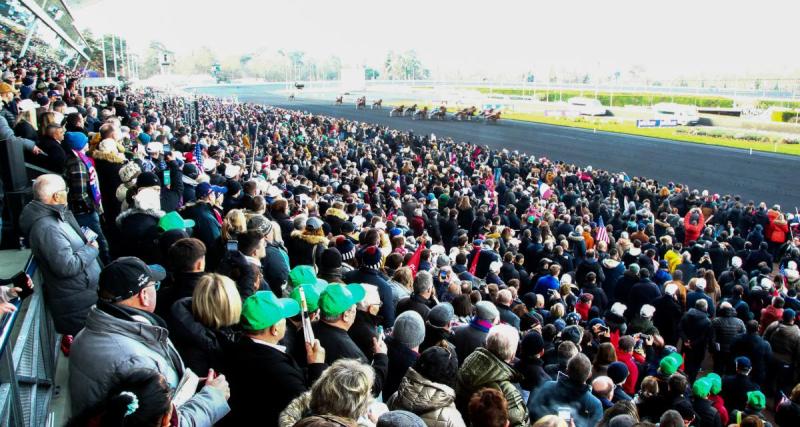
(23, 286)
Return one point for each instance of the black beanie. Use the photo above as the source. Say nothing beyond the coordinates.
(330, 259)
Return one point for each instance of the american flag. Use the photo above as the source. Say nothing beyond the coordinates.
(601, 231)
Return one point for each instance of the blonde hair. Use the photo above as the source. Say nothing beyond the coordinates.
(28, 116)
(550, 421)
(235, 223)
(557, 311)
(344, 389)
(404, 276)
(216, 302)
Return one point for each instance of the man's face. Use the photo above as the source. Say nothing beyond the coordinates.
(58, 134)
(280, 329)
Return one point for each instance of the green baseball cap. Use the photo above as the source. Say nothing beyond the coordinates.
(263, 309)
(756, 399)
(312, 291)
(701, 387)
(174, 221)
(716, 382)
(338, 298)
(670, 364)
(302, 275)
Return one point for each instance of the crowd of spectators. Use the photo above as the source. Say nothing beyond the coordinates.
(187, 243)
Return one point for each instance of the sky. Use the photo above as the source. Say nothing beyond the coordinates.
(671, 39)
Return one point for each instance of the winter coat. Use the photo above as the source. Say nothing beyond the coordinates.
(56, 157)
(532, 371)
(613, 270)
(734, 390)
(107, 165)
(249, 367)
(176, 286)
(114, 343)
(668, 314)
(785, 342)
(433, 402)
(467, 338)
(375, 277)
(304, 248)
(768, 315)
(138, 230)
(200, 346)
(275, 267)
(401, 358)
(696, 327)
(207, 227)
(507, 316)
(363, 330)
(335, 218)
(69, 265)
(788, 414)
(757, 350)
(417, 303)
(585, 409)
(706, 414)
(339, 345)
(726, 327)
(644, 292)
(692, 231)
(236, 266)
(483, 369)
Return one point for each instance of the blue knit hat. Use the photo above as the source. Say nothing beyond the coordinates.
(75, 140)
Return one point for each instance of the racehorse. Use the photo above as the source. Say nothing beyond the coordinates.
(361, 103)
(338, 100)
(377, 104)
(398, 111)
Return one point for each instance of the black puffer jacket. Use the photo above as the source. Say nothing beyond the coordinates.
(138, 231)
(238, 268)
(726, 328)
(696, 327)
(201, 347)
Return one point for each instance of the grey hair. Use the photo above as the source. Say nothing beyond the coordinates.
(46, 185)
(504, 297)
(502, 341)
(701, 304)
(423, 282)
(344, 389)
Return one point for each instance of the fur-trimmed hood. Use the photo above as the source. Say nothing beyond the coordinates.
(310, 239)
(338, 213)
(108, 156)
(133, 211)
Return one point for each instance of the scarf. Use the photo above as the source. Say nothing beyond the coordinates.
(93, 186)
(480, 324)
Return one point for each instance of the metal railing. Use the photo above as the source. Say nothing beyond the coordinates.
(28, 353)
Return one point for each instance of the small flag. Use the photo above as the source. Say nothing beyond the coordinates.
(602, 235)
(413, 263)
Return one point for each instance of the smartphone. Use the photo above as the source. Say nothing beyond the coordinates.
(167, 178)
(90, 235)
(167, 148)
(443, 275)
(605, 328)
(20, 280)
(232, 245)
(380, 332)
(565, 414)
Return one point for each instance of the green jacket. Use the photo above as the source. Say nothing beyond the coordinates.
(483, 369)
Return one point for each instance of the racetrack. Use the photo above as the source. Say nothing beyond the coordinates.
(759, 176)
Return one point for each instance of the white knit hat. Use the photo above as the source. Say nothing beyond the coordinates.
(619, 308)
(647, 311)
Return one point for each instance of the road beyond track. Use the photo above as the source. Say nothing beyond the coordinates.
(759, 176)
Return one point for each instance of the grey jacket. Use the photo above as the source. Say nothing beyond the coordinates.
(433, 402)
(7, 137)
(68, 263)
(113, 343)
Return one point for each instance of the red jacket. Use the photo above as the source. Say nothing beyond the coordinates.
(719, 404)
(769, 315)
(633, 372)
(692, 231)
(776, 233)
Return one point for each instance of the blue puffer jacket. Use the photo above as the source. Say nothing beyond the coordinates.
(565, 393)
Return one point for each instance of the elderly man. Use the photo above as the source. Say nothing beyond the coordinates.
(337, 306)
(122, 335)
(67, 258)
(421, 300)
(490, 367)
